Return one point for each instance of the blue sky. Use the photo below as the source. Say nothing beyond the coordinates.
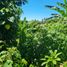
(35, 9)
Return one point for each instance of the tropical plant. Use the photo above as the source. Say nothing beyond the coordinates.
(10, 11)
(31, 65)
(8, 63)
(52, 60)
(24, 43)
(36, 39)
(62, 10)
(9, 17)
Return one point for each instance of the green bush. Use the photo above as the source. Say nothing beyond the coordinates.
(23, 43)
(37, 39)
(52, 60)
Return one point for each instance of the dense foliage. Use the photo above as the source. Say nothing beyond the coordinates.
(41, 38)
(31, 43)
(9, 17)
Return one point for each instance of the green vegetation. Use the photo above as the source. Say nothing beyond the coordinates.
(52, 59)
(63, 11)
(31, 43)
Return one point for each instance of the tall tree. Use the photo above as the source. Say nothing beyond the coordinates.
(10, 11)
(9, 16)
(63, 11)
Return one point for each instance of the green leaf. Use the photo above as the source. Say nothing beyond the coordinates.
(57, 54)
(58, 59)
(43, 59)
(24, 61)
(54, 62)
(8, 63)
(7, 26)
(44, 63)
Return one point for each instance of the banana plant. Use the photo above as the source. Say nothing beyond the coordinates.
(62, 11)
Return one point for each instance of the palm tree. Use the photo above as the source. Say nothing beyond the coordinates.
(62, 12)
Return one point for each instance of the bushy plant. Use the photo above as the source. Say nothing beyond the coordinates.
(10, 12)
(37, 39)
(52, 60)
(23, 43)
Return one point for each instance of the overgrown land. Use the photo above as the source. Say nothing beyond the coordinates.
(32, 43)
